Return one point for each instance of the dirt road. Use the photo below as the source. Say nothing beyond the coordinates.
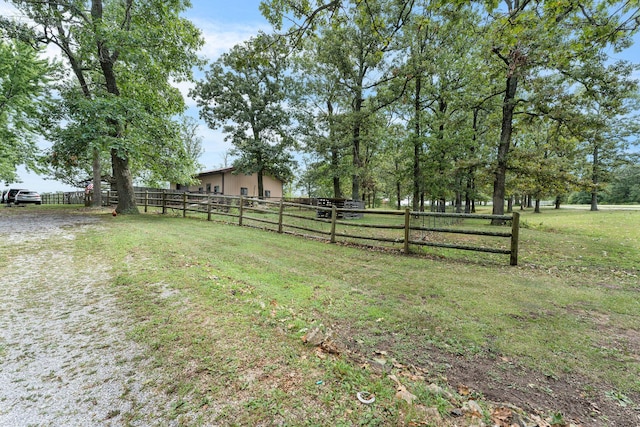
(64, 356)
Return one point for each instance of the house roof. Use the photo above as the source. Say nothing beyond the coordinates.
(216, 171)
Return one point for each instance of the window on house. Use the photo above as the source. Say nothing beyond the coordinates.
(267, 193)
(216, 189)
(178, 186)
(208, 188)
(200, 190)
(244, 191)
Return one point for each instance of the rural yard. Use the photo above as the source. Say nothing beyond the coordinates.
(77, 350)
(319, 213)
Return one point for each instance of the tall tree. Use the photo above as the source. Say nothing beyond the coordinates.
(606, 97)
(24, 79)
(244, 92)
(323, 123)
(123, 55)
(355, 37)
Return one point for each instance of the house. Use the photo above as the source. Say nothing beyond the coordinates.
(226, 182)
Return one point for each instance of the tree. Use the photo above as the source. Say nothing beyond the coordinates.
(543, 159)
(604, 122)
(24, 79)
(532, 38)
(323, 124)
(353, 39)
(177, 157)
(244, 92)
(123, 55)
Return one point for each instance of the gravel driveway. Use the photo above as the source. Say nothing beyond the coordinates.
(64, 356)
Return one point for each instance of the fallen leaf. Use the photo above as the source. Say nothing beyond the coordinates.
(463, 390)
(501, 417)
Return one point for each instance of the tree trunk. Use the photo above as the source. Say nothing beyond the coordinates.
(337, 192)
(260, 185)
(508, 106)
(417, 145)
(558, 201)
(355, 177)
(537, 209)
(78, 71)
(357, 162)
(510, 204)
(124, 184)
(121, 170)
(595, 179)
(97, 179)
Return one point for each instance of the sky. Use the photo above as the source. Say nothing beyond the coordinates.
(223, 24)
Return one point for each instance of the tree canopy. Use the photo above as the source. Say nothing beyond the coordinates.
(124, 56)
(244, 93)
(492, 94)
(24, 93)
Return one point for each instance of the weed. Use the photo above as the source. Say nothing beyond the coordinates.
(619, 398)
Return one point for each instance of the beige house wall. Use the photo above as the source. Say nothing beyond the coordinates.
(230, 184)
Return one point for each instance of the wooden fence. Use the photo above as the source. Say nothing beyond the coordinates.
(67, 198)
(386, 228)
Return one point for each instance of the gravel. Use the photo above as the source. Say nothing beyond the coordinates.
(65, 359)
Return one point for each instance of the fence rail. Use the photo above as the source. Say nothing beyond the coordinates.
(471, 232)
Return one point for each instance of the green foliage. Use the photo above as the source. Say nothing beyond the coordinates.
(244, 93)
(404, 60)
(24, 93)
(625, 187)
(121, 105)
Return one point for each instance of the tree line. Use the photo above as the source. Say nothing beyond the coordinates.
(431, 100)
(423, 99)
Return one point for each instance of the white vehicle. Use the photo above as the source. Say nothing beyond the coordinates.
(27, 196)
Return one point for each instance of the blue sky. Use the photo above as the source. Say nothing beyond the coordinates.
(224, 24)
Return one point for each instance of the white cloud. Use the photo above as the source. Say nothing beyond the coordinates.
(220, 37)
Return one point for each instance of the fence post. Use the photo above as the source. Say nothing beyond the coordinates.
(146, 200)
(280, 216)
(334, 216)
(164, 202)
(240, 209)
(515, 235)
(184, 204)
(108, 197)
(208, 207)
(407, 224)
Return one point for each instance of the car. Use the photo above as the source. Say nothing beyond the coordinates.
(27, 196)
(10, 195)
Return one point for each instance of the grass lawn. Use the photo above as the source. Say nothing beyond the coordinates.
(225, 310)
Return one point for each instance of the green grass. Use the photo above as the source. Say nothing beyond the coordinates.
(224, 308)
